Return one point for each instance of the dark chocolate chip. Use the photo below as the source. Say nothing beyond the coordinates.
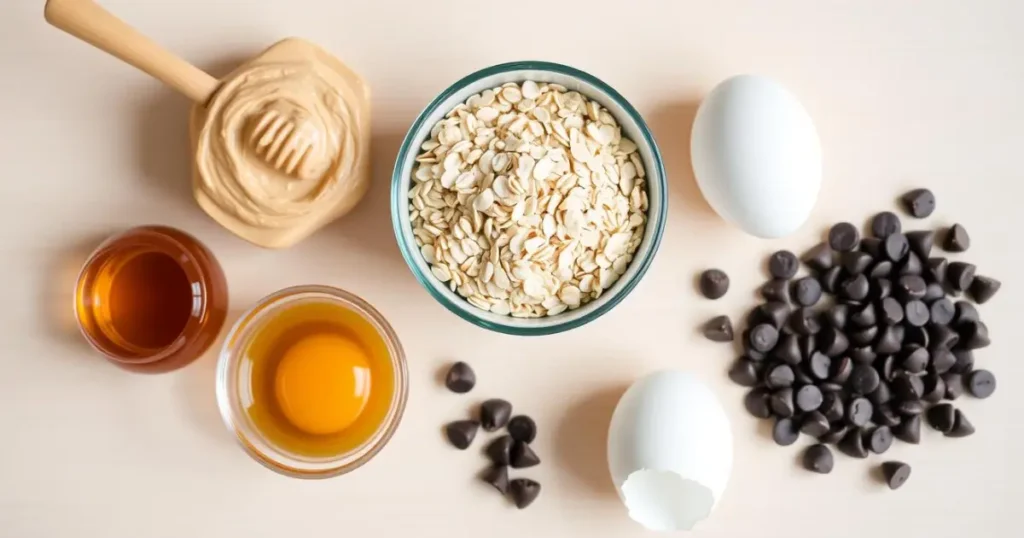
(461, 433)
(841, 368)
(806, 291)
(837, 315)
(920, 203)
(802, 378)
(808, 398)
(960, 275)
(500, 450)
(843, 237)
(881, 269)
(942, 311)
(523, 456)
(981, 383)
(814, 424)
(889, 341)
(921, 242)
(935, 291)
(917, 336)
(954, 384)
(896, 473)
(896, 247)
(820, 258)
(915, 359)
(460, 378)
(957, 239)
(832, 406)
(743, 372)
(886, 367)
(910, 287)
(785, 432)
(882, 393)
(756, 403)
(885, 224)
(863, 355)
(910, 407)
(892, 311)
(943, 360)
(783, 264)
(973, 335)
(808, 346)
(942, 337)
(961, 426)
(523, 491)
(917, 313)
(865, 316)
(880, 289)
(937, 269)
(776, 290)
(714, 283)
(497, 477)
(820, 364)
(719, 329)
(852, 444)
(523, 428)
(835, 433)
(773, 312)
(818, 459)
(782, 402)
(804, 321)
(863, 380)
(858, 412)
(904, 387)
(830, 386)
(855, 288)
(871, 246)
(788, 349)
(832, 342)
(940, 417)
(909, 429)
(965, 313)
(885, 416)
(864, 336)
(830, 279)
(911, 265)
(934, 388)
(764, 337)
(983, 288)
(964, 361)
(494, 414)
(780, 377)
(855, 261)
(880, 439)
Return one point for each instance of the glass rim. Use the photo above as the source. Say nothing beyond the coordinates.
(249, 437)
(399, 197)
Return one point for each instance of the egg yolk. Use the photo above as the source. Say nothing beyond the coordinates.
(323, 383)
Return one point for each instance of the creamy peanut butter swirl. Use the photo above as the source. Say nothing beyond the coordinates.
(278, 145)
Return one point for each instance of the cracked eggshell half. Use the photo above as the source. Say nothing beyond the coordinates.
(756, 156)
(669, 450)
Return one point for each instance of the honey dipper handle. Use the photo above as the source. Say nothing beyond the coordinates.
(89, 22)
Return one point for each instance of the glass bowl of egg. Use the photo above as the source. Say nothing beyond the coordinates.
(312, 382)
(529, 198)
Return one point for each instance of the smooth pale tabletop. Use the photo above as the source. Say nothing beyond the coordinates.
(904, 93)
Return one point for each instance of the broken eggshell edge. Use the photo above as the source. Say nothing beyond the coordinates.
(669, 450)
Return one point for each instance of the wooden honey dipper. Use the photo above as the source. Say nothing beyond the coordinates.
(281, 135)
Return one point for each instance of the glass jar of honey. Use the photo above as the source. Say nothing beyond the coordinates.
(151, 299)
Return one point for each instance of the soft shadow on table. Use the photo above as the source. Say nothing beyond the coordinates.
(196, 386)
(581, 441)
(59, 290)
(671, 124)
(163, 149)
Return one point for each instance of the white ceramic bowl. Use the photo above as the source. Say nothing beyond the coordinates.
(633, 127)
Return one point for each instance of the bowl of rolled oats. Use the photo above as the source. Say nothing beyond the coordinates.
(529, 198)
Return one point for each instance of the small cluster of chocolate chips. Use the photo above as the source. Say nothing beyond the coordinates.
(859, 352)
(509, 450)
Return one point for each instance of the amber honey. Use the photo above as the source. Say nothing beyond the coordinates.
(316, 379)
(151, 299)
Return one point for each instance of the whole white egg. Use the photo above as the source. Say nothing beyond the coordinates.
(756, 156)
(669, 450)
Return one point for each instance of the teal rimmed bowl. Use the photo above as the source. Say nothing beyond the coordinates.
(633, 127)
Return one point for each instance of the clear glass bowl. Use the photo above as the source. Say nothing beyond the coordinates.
(232, 381)
(633, 127)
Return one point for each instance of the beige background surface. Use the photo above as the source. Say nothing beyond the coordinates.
(905, 93)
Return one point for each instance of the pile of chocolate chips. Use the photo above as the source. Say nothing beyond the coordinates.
(509, 450)
(879, 337)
